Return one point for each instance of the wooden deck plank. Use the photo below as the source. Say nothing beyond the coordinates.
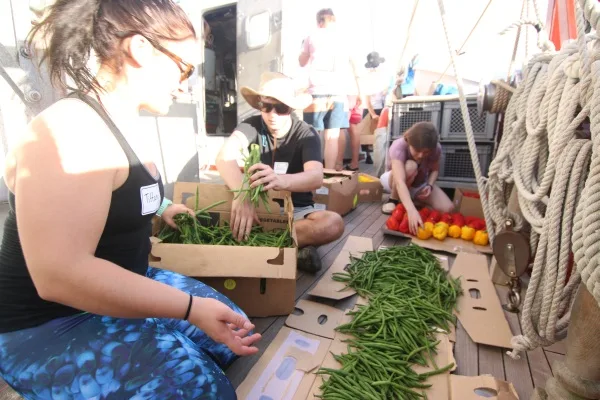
(559, 347)
(465, 353)
(540, 367)
(552, 358)
(517, 371)
(490, 361)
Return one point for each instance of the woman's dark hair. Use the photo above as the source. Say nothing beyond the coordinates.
(422, 136)
(73, 28)
(325, 15)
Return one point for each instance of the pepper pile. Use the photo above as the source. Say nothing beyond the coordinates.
(201, 230)
(440, 225)
(257, 194)
(410, 297)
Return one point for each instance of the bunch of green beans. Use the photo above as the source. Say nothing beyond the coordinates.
(200, 230)
(410, 298)
(257, 194)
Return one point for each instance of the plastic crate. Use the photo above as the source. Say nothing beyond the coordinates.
(453, 127)
(405, 115)
(456, 164)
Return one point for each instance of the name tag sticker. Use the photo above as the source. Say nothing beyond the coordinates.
(281, 168)
(320, 207)
(322, 190)
(150, 199)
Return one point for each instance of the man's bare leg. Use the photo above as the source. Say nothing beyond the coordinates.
(331, 146)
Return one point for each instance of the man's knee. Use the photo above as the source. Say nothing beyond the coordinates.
(330, 226)
(335, 226)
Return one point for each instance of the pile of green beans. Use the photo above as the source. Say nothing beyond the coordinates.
(410, 298)
(257, 194)
(201, 230)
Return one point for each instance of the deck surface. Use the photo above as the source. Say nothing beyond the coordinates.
(472, 359)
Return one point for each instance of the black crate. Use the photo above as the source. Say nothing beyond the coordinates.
(453, 127)
(456, 164)
(405, 115)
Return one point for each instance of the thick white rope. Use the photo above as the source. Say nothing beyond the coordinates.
(562, 166)
(468, 126)
(586, 236)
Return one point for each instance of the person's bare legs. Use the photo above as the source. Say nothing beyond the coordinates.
(339, 163)
(318, 228)
(331, 146)
(355, 143)
(411, 169)
(438, 200)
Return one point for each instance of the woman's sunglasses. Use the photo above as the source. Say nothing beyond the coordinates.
(187, 69)
(280, 108)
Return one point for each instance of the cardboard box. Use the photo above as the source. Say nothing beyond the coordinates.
(260, 280)
(483, 386)
(339, 192)
(468, 203)
(370, 189)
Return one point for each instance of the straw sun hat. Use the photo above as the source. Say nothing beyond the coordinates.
(279, 87)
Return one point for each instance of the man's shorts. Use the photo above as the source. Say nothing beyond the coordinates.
(327, 112)
(301, 212)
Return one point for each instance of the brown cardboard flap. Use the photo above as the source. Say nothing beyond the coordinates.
(309, 322)
(448, 245)
(482, 317)
(210, 193)
(480, 388)
(440, 384)
(207, 261)
(283, 370)
(327, 287)
(443, 261)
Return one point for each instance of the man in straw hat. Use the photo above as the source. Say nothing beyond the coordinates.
(291, 160)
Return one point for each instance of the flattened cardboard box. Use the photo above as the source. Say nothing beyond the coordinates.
(481, 387)
(448, 245)
(370, 189)
(339, 192)
(260, 280)
(479, 308)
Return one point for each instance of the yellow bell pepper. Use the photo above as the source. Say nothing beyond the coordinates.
(467, 233)
(440, 231)
(481, 238)
(454, 231)
(424, 233)
(428, 226)
(365, 179)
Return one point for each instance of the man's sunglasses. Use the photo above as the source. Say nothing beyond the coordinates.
(280, 108)
(187, 69)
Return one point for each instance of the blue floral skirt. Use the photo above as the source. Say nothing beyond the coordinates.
(87, 356)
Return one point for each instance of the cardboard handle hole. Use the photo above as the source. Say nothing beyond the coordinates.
(475, 293)
(472, 280)
(322, 319)
(480, 308)
(277, 260)
(298, 311)
(263, 286)
(486, 392)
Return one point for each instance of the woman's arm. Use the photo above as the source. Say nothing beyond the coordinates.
(63, 185)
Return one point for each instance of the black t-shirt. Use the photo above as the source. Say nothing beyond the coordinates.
(300, 145)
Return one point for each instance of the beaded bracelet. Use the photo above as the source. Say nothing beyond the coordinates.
(165, 203)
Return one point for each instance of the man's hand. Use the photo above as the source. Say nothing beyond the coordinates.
(172, 211)
(262, 174)
(224, 325)
(243, 216)
(424, 193)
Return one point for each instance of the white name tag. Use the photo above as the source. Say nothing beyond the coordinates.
(150, 199)
(280, 168)
(322, 190)
(320, 207)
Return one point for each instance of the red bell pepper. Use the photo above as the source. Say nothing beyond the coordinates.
(478, 224)
(401, 207)
(404, 228)
(398, 215)
(447, 218)
(434, 217)
(392, 224)
(458, 220)
(424, 213)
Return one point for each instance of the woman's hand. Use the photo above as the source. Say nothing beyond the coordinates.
(174, 209)
(424, 193)
(262, 174)
(414, 220)
(224, 325)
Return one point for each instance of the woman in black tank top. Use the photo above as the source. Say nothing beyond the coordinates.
(81, 314)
